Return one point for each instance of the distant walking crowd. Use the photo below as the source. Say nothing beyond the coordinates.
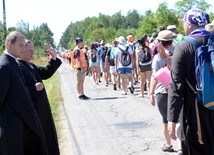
(163, 63)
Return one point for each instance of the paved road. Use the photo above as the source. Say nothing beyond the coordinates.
(110, 123)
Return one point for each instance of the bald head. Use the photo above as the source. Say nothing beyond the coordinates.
(14, 43)
(12, 37)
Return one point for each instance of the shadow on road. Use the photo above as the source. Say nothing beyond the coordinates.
(107, 98)
(132, 125)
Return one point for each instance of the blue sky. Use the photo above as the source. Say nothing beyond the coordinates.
(59, 13)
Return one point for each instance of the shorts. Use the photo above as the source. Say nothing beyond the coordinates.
(125, 70)
(161, 100)
(105, 69)
(112, 69)
(93, 64)
(80, 75)
(145, 68)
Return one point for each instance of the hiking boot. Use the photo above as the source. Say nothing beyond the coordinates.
(83, 97)
(167, 148)
(115, 87)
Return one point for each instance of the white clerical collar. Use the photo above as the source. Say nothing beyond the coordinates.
(6, 52)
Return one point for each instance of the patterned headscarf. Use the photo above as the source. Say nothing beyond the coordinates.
(195, 17)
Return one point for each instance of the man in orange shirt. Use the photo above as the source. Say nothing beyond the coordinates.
(79, 63)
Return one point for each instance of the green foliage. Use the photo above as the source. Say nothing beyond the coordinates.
(38, 35)
(148, 25)
(132, 19)
(165, 16)
(1, 38)
(211, 16)
(184, 5)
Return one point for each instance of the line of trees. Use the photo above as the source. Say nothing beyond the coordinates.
(107, 28)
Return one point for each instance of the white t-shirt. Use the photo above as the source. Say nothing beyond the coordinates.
(118, 52)
(158, 63)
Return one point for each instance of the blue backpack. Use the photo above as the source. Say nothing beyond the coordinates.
(204, 72)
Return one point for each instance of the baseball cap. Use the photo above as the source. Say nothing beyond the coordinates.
(171, 27)
(130, 38)
(116, 39)
(165, 35)
(122, 40)
(195, 16)
(101, 42)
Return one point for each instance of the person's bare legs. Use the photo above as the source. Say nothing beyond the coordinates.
(80, 89)
(124, 82)
(166, 134)
(148, 78)
(142, 83)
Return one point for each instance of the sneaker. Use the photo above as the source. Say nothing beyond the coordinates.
(83, 97)
(140, 95)
(166, 148)
(124, 93)
(115, 87)
(131, 89)
(179, 152)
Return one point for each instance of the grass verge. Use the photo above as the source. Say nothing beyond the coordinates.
(54, 95)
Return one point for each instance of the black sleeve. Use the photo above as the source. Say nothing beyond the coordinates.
(77, 53)
(176, 90)
(5, 82)
(47, 71)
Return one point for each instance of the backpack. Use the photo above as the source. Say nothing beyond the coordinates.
(133, 48)
(145, 57)
(125, 57)
(112, 56)
(204, 72)
(104, 51)
(93, 57)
